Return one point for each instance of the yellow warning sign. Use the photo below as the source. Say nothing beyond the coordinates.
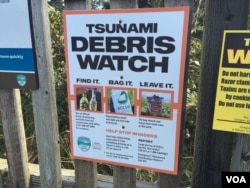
(232, 103)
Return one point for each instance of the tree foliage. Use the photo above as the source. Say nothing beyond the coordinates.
(100, 4)
(57, 4)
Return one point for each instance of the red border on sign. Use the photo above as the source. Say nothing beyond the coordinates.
(178, 106)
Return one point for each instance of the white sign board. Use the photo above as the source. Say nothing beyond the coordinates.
(17, 57)
(125, 71)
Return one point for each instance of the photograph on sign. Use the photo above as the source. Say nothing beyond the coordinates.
(120, 100)
(125, 85)
(155, 104)
(17, 55)
(232, 102)
(88, 98)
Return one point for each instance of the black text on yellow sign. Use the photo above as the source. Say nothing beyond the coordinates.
(232, 103)
(236, 52)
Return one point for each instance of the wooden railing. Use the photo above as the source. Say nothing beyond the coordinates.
(68, 178)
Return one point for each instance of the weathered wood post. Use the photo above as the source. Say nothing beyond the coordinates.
(241, 154)
(85, 171)
(116, 4)
(77, 4)
(14, 136)
(165, 180)
(213, 149)
(124, 177)
(44, 101)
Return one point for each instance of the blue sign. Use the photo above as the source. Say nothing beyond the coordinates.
(17, 55)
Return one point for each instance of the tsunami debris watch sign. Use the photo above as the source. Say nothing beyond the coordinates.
(125, 77)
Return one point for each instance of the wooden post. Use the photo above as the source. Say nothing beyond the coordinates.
(77, 4)
(85, 172)
(44, 101)
(14, 136)
(213, 148)
(1, 179)
(124, 177)
(116, 4)
(241, 154)
(166, 180)
(241, 149)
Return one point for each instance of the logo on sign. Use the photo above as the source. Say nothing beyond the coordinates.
(83, 143)
(21, 79)
(123, 98)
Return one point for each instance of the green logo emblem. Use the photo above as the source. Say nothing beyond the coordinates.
(123, 98)
(21, 79)
(83, 143)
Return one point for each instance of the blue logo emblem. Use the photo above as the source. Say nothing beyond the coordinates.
(21, 79)
(84, 143)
